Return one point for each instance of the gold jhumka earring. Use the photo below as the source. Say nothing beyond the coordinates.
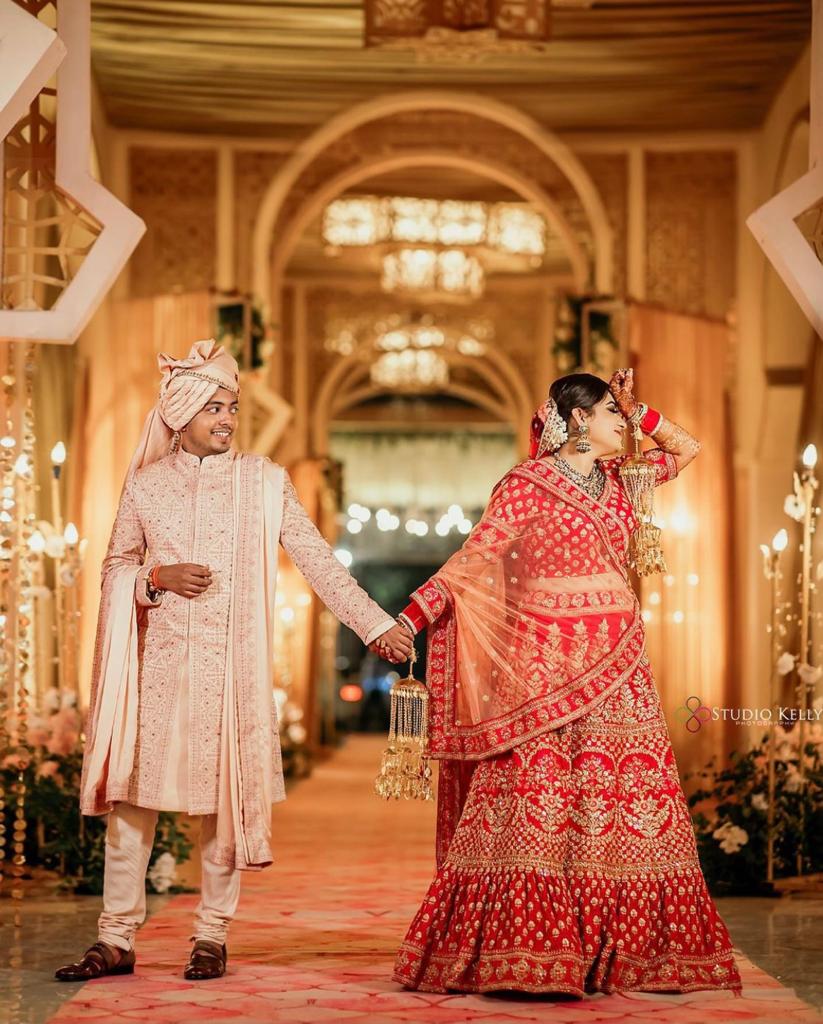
(583, 443)
(405, 770)
(639, 476)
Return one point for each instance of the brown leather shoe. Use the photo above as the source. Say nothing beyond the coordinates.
(207, 960)
(98, 960)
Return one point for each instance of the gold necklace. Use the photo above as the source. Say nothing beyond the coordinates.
(592, 484)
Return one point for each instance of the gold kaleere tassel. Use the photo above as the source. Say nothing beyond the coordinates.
(405, 770)
(639, 475)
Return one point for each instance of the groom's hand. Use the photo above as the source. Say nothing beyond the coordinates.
(185, 579)
(395, 645)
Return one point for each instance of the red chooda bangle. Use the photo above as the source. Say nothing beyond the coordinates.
(651, 421)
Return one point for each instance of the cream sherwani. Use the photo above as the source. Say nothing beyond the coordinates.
(179, 509)
(182, 715)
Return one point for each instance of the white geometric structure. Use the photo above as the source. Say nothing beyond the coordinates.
(29, 54)
(789, 227)
(792, 254)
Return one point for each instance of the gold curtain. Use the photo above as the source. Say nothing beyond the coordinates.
(680, 368)
(118, 360)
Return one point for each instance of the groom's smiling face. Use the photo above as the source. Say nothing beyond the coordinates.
(211, 431)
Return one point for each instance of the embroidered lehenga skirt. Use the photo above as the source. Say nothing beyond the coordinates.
(574, 869)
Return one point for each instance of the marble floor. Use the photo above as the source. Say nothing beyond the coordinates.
(321, 956)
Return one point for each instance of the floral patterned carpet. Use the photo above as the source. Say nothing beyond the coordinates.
(316, 934)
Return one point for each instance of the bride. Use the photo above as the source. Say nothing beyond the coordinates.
(566, 856)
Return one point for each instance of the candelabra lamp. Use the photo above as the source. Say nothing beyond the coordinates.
(772, 572)
(805, 490)
(801, 505)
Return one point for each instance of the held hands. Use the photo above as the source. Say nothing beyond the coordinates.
(186, 579)
(395, 645)
(621, 386)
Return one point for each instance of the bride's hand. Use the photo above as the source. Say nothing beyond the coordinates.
(395, 645)
(621, 386)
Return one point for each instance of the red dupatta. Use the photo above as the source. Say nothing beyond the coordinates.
(532, 623)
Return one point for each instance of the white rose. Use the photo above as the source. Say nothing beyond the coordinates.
(785, 663)
(734, 837)
(163, 872)
(809, 673)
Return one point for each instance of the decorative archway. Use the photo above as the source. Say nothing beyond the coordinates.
(507, 398)
(313, 204)
(428, 100)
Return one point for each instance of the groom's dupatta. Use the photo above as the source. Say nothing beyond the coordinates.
(533, 623)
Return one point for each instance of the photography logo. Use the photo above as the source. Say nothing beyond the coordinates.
(694, 713)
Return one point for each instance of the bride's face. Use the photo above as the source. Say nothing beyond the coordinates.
(606, 425)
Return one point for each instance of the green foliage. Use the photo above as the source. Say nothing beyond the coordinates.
(58, 837)
(735, 796)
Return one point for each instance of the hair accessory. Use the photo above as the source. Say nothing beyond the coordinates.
(555, 431)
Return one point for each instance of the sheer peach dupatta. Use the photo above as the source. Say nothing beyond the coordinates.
(533, 623)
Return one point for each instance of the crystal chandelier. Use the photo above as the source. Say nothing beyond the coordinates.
(392, 332)
(512, 228)
(448, 272)
(410, 369)
(419, 336)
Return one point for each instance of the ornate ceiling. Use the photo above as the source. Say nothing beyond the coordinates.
(281, 67)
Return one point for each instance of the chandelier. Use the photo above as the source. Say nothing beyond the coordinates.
(372, 333)
(450, 273)
(410, 369)
(423, 336)
(512, 228)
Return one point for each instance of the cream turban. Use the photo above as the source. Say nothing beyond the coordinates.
(189, 383)
(186, 387)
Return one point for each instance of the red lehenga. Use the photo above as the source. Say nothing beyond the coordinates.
(566, 856)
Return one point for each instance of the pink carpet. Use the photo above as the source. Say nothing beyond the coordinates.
(316, 935)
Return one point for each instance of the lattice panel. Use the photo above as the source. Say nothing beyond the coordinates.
(253, 173)
(174, 191)
(46, 233)
(610, 173)
(690, 231)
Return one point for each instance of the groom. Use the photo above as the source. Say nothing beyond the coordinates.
(181, 715)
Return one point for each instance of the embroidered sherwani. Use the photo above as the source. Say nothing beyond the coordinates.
(181, 509)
